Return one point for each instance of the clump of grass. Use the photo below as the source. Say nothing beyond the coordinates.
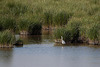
(61, 18)
(59, 32)
(6, 38)
(75, 25)
(9, 23)
(93, 10)
(66, 33)
(23, 24)
(35, 28)
(94, 32)
(71, 32)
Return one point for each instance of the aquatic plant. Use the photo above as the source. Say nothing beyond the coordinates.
(7, 38)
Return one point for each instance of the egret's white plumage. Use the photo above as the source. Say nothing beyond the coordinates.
(62, 41)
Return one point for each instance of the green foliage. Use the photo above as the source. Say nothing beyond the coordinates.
(6, 38)
(79, 16)
(23, 24)
(59, 32)
(62, 18)
(17, 8)
(48, 18)
(9, 23)
(65, 33)
(75, 25)
(71, 32)
(95, 1)
(94, 31)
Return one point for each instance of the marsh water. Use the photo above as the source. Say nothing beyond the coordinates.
(39, 51)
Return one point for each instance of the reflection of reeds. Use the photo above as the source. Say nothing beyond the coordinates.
(30, 39)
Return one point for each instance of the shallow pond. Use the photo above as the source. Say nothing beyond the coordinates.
(39, 51)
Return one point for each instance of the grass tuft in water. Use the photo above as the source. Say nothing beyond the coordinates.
(7, 38)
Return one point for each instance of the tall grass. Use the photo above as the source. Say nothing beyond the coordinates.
(75, 25)
(65, 33)
(61, 18)
(86, 14)
(23, 24)
(94, 32)
(7, 38)
(48, 18)
(71, 32)
(17, 8)
(9, 23)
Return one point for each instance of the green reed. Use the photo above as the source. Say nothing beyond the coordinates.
(7, 38)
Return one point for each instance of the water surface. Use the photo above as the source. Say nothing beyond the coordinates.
(39, 51)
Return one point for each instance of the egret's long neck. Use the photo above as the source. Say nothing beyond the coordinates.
(61, 38)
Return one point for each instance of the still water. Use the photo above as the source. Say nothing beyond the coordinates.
(39, 51)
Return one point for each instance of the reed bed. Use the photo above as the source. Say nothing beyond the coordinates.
(79, 18)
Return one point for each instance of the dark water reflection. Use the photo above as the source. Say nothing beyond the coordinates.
(39, 51)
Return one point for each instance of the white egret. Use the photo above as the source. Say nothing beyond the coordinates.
(62, 41)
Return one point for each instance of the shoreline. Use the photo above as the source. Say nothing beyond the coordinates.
(6, 46)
